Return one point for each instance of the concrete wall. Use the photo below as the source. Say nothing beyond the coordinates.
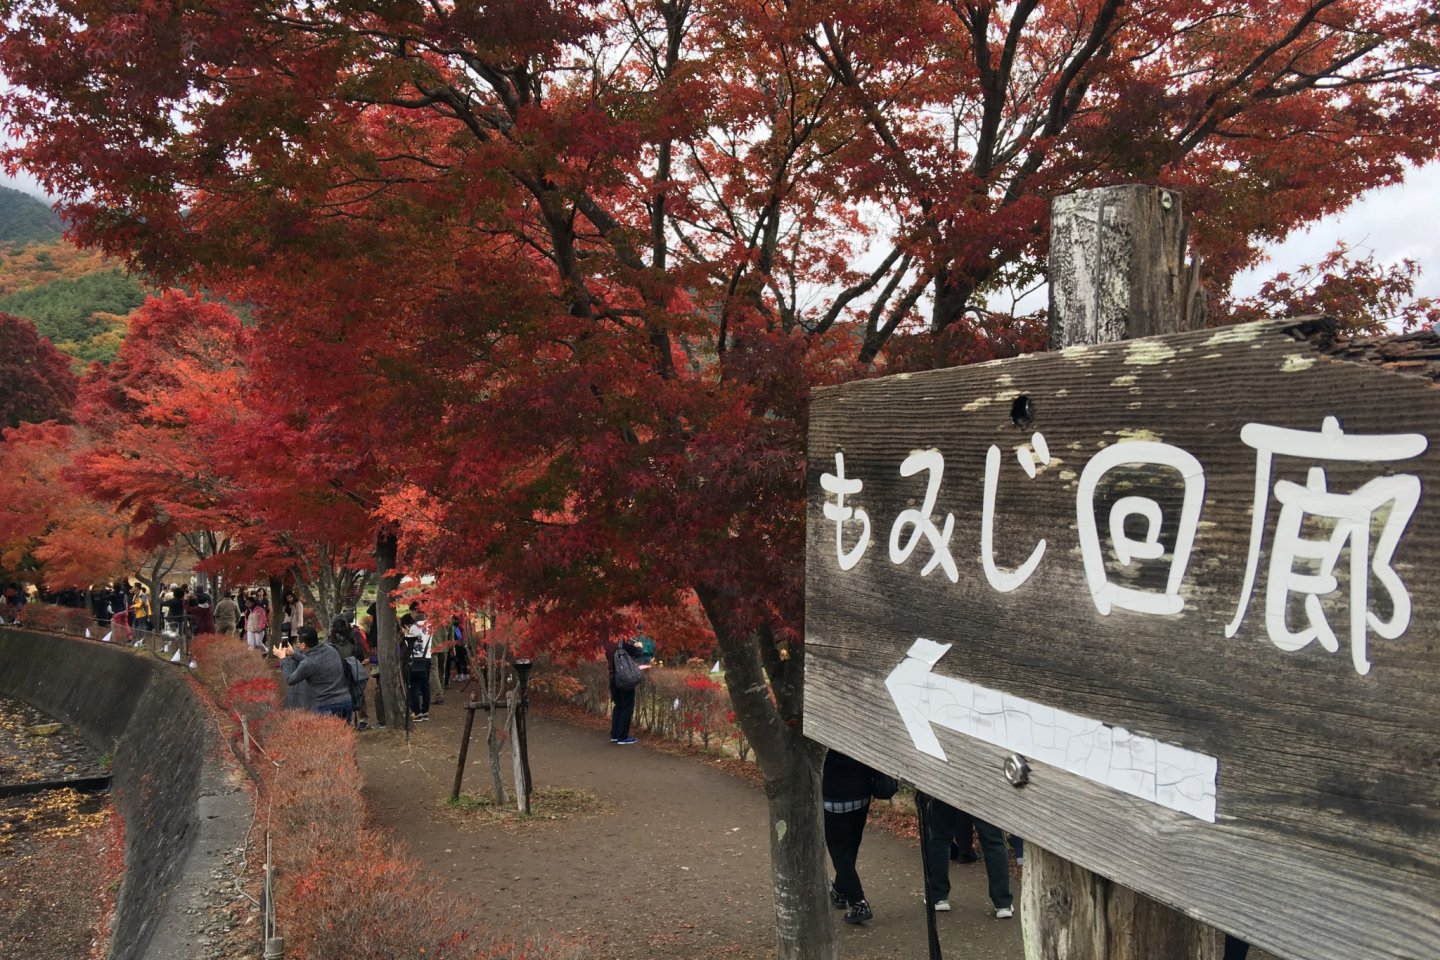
(181, 814)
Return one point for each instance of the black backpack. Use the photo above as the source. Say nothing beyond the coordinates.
(627, 671)
(356, 676)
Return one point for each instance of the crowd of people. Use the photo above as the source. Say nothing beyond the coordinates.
(336, 673)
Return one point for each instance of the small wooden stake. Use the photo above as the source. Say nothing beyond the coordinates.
(522, 788)
(464, 748)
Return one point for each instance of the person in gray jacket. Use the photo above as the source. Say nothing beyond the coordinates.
(317, 665)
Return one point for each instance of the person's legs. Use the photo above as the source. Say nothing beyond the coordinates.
(1018, 845)
(940, 819)
(624, 712)
(423, 682)
(997, 863)
(843, 832)
(963, 849)
(415, 678)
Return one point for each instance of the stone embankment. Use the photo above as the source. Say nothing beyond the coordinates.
(183, 816)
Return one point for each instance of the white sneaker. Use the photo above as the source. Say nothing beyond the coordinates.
(942, 906)
(1004, 913)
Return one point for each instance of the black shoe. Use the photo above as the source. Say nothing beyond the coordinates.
(859, 912)
(837, 901)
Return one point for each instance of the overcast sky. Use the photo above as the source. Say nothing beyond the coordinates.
(1395, 222)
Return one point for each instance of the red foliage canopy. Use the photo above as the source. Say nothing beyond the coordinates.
(35, 379)
(546, 286)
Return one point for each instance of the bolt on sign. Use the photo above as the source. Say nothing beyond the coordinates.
(1190, 582)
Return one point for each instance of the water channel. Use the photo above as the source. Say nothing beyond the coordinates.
(34, 750)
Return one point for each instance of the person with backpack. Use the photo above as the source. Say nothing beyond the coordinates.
(622, 657)
(342, 638)
(417, 654)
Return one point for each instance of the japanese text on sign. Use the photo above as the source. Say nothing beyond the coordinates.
(1299, 565)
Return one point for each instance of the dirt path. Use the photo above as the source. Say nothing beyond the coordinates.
(669, 859)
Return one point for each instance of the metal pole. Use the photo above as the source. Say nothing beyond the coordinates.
(275, 948)
(922, 815)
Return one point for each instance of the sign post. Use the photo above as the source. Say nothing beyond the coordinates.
(1185, 583)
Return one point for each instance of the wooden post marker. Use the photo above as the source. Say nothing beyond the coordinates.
(1117, 272)
(1165, 607)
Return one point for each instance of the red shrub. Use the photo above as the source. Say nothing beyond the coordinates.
(343, 893)
(48, 616)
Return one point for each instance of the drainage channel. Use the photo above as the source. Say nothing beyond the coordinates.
(61, 844)
(51, 779)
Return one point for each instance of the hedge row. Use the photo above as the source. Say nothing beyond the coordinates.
(345, 891)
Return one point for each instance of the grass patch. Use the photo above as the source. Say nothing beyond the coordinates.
(546, 804)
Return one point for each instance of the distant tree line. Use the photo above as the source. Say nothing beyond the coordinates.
(24, 219)
(81, 315)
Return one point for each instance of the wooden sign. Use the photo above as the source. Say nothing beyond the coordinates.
(1186, 583)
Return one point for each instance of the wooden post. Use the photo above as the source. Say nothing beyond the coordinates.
(470, 709)
(522, 788)
(1117, 272)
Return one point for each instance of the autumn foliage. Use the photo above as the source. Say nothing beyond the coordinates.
(541, 289)
(38, 384)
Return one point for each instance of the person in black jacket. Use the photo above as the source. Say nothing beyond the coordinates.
(624, 700)
(845, 788)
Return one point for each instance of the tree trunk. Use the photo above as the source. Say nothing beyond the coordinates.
(1117, 272)
(791, 765)
(277, 604)
(804, 919)
(387, 551)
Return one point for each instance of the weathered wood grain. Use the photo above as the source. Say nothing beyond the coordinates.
(1328, 836)
(1129, 241)
(1118, 268)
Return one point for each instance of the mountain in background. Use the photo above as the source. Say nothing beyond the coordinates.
(24, 219)
(78, 299)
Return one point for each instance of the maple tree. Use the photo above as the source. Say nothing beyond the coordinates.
(49, 529)
(36, 377)
(1359, 293)
(554, 279)
(156, 413)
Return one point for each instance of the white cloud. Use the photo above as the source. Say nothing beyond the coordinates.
(1394, 222)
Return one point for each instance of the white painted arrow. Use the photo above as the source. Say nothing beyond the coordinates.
(1141, 766)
